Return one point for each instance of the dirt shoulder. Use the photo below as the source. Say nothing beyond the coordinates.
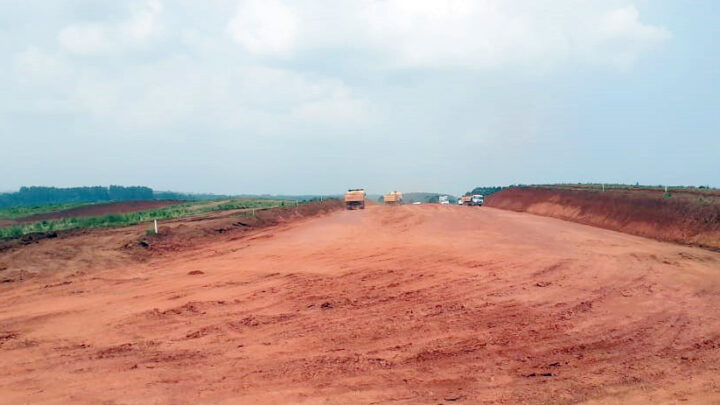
(687, 217)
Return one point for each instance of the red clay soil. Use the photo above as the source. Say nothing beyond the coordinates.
(409, 304)
(688, 217)
(94, 210)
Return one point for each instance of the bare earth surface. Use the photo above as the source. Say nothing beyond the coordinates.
(410, 304)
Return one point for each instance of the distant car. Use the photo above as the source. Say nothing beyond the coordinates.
(417, 203)
(443, 199)
(459, 201)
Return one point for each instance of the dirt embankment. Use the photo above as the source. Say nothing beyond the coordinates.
(184, 233)
(82, 251)
(684, 217)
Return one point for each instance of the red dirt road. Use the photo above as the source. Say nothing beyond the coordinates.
(411, 304)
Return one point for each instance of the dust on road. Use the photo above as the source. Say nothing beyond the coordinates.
(410, 304)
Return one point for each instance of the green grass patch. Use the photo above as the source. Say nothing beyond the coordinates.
(132, 218)
(245, 204)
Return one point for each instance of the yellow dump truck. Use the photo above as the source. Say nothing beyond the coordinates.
(355, 198)
(393, 198)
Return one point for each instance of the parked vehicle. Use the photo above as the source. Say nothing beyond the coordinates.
(443, 199)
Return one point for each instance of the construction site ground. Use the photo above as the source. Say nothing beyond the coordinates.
(406, 304)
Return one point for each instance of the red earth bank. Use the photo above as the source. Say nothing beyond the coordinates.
(688, 217)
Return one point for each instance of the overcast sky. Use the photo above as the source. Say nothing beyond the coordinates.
(272, 96)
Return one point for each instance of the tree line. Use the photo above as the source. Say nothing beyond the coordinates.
(486, 191)
(31, 196)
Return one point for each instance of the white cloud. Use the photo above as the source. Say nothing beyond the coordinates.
(200, 83)
(619, 37)
(203, 79)
(181, 92)
(339, 109)
(472, 34)
(84, 38)
(144, 22)
(264, 26)
(37, 65)
(90, 38)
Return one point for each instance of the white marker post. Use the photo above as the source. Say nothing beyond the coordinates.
(156, 230)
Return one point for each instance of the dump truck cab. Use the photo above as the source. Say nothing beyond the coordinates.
(355, 198)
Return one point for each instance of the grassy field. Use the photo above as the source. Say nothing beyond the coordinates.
(630, 187)
(129, 218)
(694, 195)
(22, 212)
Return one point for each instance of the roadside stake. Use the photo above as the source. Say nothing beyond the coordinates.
(156, 230)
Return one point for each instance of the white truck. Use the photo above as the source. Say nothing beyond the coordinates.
(473, 200)
(443, 199)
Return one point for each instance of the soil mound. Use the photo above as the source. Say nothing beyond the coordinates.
(688, 216)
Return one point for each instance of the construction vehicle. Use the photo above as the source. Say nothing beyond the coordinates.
(473, 200)
(355, 198)
(394, 198)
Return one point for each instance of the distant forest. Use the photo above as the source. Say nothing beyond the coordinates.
(28, 196)
(37, 196)
(486, 191)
